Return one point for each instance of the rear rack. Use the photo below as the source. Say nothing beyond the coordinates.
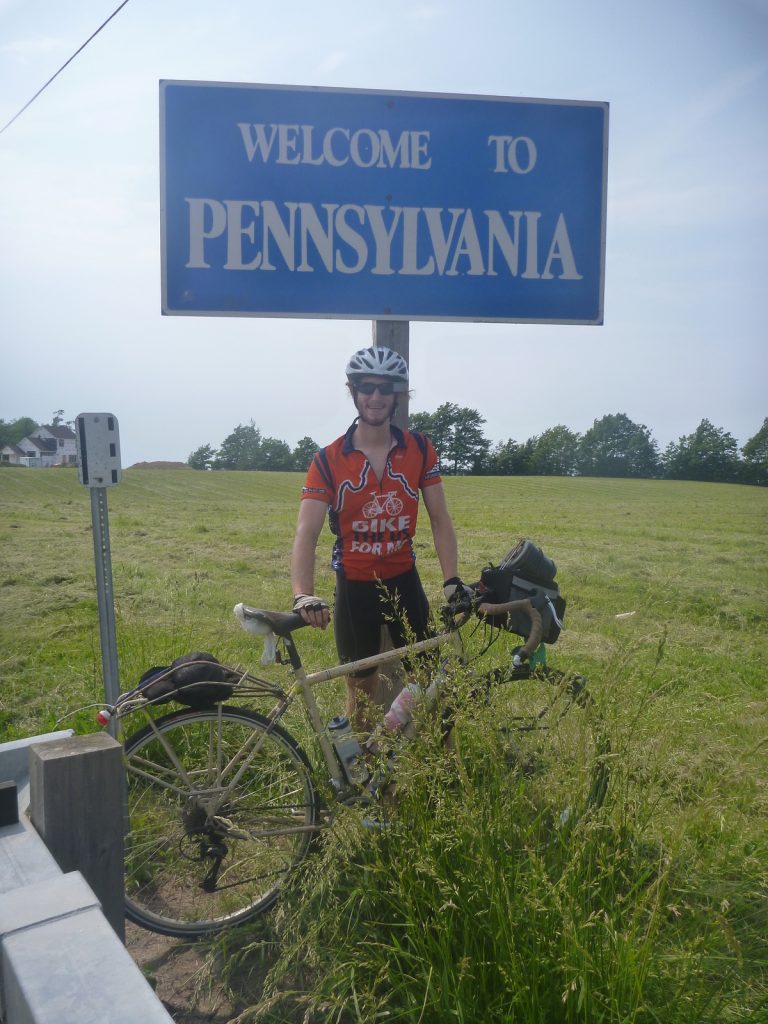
(243, 685)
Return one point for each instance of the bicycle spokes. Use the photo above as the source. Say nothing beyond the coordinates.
(212, 847)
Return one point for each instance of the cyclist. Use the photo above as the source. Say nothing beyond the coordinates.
(369, 481)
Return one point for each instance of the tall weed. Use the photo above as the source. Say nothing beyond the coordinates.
(483, 902)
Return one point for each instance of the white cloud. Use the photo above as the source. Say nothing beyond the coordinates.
(26, 49)
(700, 122)
(724, 92)
(639, 204)
(332, 61)
(424, 12)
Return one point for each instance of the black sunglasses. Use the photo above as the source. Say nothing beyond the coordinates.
(368, 387)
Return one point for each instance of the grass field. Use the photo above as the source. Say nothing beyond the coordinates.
(654, 910)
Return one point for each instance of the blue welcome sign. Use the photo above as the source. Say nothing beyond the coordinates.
(305, 202)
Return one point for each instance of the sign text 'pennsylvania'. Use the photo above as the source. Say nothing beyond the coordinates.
(302, 202)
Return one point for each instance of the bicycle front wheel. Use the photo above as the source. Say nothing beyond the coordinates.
(551, 730)
(221, 806)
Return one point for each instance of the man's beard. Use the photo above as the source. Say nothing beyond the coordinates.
(375, 417)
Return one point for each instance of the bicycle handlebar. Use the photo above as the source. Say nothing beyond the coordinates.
(524, 605)
(262, 622)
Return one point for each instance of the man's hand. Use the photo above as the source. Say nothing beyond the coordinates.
(458, 594)
(313, 610)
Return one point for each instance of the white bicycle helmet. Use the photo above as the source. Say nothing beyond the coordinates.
(379, 362)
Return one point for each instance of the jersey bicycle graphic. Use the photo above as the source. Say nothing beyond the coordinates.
(383, 504)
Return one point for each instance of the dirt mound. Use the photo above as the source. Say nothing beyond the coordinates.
(160, 465)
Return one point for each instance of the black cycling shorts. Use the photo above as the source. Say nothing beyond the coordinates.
(362, 607)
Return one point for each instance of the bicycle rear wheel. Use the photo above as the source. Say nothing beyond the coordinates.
(221, 806)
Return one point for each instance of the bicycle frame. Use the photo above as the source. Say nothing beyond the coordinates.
(219, 793)
(305, 681)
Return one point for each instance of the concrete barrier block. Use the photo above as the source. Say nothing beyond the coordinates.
(83, 981)
(14, 760)
(61, 963)
(77, 791)
(42, 901)
(24, 858)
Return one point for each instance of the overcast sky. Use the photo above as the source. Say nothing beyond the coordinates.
(685, 296)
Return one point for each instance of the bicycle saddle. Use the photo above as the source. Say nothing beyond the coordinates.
(279, 623)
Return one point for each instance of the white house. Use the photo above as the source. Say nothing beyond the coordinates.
(44, 446)
(12, 453)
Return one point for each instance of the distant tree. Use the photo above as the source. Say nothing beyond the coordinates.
(241, 449)
(202, 457)
(555, 452)
(502, 458)
(615, 446)
(421, 421)
(438, 425)
(303, 453)
(456, 432)
(12, 431)
(509, 458)
(274, 455)
(245, 448)
(755, 456)
(709, 453)
(527, 448)
(469, 445)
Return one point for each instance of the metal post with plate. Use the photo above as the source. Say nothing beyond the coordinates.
(98, 467)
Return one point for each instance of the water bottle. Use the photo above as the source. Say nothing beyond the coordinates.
(348, 750)
(400, 714)
(401, 710)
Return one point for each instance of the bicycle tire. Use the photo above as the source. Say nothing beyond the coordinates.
(393, 506)
(557, 733)
(195, 865)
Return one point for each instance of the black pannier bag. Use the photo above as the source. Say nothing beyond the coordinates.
(197, 680)
(525, 572)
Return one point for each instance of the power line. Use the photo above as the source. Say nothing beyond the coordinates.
(78, 50)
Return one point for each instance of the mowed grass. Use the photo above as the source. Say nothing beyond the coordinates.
(482, 908)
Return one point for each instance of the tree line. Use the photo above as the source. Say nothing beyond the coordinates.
(247, 448)
(614, 446)
(12, 431)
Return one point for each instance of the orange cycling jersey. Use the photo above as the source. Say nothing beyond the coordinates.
(374, 520)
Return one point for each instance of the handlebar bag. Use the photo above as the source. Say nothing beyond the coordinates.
(524, 573)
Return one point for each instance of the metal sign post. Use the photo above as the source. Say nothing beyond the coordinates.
(98, 467)
(395, 334)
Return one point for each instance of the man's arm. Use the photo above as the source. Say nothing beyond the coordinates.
(308, 527)
(443, 532)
